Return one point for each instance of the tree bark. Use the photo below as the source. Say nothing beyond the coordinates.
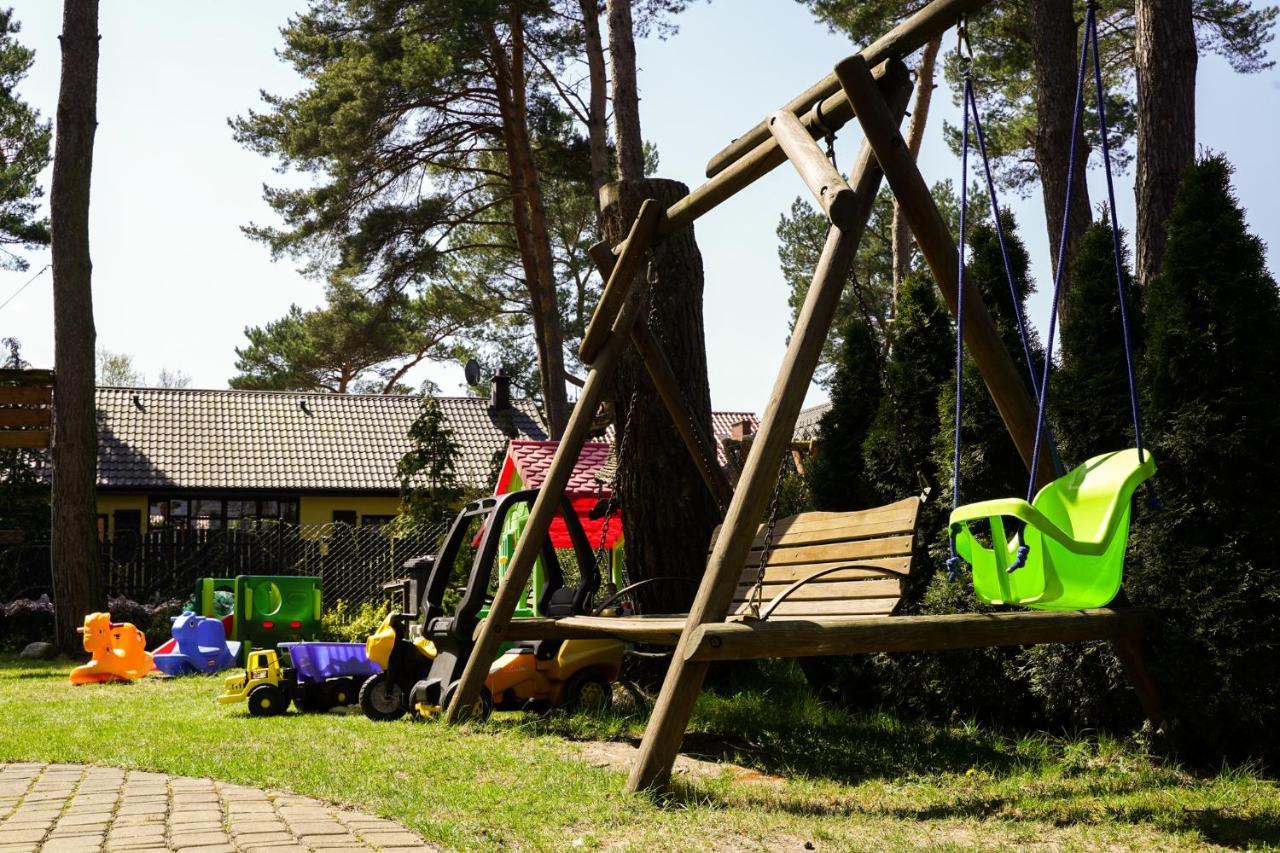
(667, 514)
(915, 137)
(598, 101)
(530, 225)
(1052, 33)
(1165, 52)
(626, 97)
(77, 574)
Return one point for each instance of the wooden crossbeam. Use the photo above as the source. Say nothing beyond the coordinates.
(618, 282)
(925, 25)
(827, 185)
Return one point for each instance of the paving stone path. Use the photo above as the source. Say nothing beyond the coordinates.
(61, 807)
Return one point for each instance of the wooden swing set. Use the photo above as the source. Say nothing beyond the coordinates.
(817, 583)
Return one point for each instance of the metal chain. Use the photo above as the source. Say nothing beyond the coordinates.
(757, 591)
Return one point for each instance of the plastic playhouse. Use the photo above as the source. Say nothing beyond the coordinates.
(199, 645)
(313, 676)
(268, 609)
(119, 651)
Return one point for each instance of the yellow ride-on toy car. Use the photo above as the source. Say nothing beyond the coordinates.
(422, 654)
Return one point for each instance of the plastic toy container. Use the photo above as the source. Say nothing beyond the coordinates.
(320, 661)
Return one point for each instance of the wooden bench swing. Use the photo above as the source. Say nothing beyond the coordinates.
(832, 581)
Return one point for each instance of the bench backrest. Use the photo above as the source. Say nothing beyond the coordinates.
(874, 544)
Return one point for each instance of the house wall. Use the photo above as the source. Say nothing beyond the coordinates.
(319, 509)
(109, 503)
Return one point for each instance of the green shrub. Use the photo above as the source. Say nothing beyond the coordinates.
(346, 623)
(836, 467)
(26, 620)
(1210, 562)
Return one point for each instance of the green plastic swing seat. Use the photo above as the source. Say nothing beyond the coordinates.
(1076, 532)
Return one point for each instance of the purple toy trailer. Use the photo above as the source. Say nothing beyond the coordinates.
(328, 675)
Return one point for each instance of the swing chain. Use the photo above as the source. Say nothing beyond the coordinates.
(757, 592)
(828, 132)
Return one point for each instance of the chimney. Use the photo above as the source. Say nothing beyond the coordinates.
(500, 392)
(740, 429)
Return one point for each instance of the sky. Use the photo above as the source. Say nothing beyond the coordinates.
(176, 282)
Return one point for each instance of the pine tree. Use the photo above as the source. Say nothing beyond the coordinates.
(836, 473)
(1089, 393)
(428, 479)
(898, 446)
(1208, 562)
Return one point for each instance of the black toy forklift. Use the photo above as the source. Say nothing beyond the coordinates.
(423, 653)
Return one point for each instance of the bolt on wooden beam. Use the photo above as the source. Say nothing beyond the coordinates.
(819, 175)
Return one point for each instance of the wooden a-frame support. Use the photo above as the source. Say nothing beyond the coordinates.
(878, 99)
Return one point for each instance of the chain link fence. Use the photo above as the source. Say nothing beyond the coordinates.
(352, 562)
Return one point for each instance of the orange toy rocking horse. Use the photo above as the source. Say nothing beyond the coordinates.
(119, 651)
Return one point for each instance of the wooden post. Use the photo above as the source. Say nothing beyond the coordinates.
(819, 175)
(724, 568)
(934, 238)
(921, 28)
(668, 387)
(618, 282)
(551, 492)
(1130, 649)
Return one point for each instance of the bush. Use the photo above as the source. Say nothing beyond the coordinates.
(345, 623)
(26, 621)
(1208, 563)
(154, 620)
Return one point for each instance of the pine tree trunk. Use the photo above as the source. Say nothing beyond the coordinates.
(915, 137)
(667, 514)
(77, 573)
(1165, 52)
(598, 98)
(530, 226)
(1054, 44)
(626, 97)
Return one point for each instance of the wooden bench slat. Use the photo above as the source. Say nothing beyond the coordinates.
(836, 552)
(837, 607)
(791, 574)
(26, 418)
(818, 591)
(25, 396)
(28, 439)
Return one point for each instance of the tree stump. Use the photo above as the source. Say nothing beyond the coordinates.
(667, 513)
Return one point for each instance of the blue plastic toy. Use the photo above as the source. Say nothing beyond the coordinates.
(199, 645)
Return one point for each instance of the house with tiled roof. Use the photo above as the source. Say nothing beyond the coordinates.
(182, 459)
(808, 420)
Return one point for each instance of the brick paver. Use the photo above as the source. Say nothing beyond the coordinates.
(58, 807)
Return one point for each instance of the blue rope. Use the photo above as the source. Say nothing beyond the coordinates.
(953, 561)
(1115, 240)
(971, 103)
(1062, 252)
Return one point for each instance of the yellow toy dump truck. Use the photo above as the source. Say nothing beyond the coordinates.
(313, 676)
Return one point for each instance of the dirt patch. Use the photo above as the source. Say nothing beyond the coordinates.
(620, 756)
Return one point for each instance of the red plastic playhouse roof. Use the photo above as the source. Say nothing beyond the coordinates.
(531, 459)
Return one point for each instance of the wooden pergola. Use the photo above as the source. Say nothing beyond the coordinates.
(874, 86)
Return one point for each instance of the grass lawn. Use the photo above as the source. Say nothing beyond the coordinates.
(814, 775)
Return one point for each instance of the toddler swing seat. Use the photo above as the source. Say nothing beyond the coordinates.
(1075, 532)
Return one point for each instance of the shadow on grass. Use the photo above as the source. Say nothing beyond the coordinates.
(932, 771)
